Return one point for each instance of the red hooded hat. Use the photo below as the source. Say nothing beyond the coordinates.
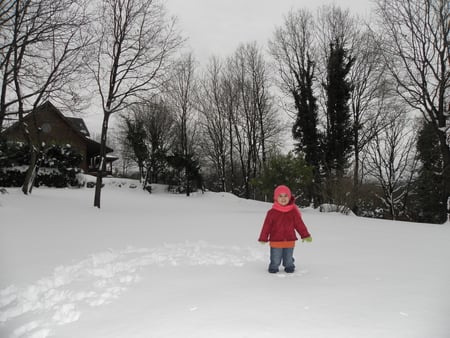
(282, 189)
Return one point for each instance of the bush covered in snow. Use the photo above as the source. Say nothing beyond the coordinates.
(57, 165)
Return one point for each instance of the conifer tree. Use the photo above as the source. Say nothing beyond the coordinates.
(136, 137)
(430, 191)
(294, 51)
(304, 130)
(338, 139)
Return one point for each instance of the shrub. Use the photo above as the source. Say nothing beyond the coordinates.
(289, 170)
(58, 165)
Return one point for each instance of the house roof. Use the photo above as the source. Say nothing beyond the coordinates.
(76, 124)
(79, 124)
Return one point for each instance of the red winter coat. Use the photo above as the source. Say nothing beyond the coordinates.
(281, 226)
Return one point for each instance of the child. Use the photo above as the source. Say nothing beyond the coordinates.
(279, 228)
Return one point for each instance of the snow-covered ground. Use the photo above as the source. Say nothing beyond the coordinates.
(163, 265)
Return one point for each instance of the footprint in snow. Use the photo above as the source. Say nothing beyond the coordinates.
(290, 275)
(98, 280)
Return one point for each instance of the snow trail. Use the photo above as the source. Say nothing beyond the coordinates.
(100, 279)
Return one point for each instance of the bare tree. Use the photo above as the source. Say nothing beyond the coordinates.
(293, 50)
(368, 97)
(135, 43)
(333, 24)
(125, 151)
(6, 12)
(416, 50)
(158, 122)
(145, 137)
(42, 44)
(232, 103)
(211, 100)
(254, 120)
(181, 91)
(392, 162)
(268, 127)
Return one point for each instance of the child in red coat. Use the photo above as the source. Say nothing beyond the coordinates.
(282, 220)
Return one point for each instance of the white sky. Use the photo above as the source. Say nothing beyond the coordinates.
(217, 27)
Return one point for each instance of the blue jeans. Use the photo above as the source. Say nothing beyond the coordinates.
(281, 254)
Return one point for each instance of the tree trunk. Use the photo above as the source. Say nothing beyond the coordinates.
(102, 168)
(31, 171)
(188, 185)
(355, 188)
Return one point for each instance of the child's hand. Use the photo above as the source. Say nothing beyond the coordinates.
(261, 242)
(307, 239)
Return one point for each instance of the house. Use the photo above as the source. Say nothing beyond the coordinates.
(52, 127)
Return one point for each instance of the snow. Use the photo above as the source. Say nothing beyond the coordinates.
(165, 265)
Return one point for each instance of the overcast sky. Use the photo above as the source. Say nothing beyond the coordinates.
(217, 27)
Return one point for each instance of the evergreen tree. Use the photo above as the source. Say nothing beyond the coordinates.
(187, 176)
(290, 170)
(136, 136)
(430, 182)
(305, 130)
(339, 133)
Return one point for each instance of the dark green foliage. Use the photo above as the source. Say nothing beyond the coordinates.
(369, 205)
(289, 170)
(57, 165)
(305, 130)
(186, 176)
(13, 154)
(157, 164)
(136, 136)
(11, 177)
(148, 132)
(428, 203)
(339, 133)
(66, 162)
